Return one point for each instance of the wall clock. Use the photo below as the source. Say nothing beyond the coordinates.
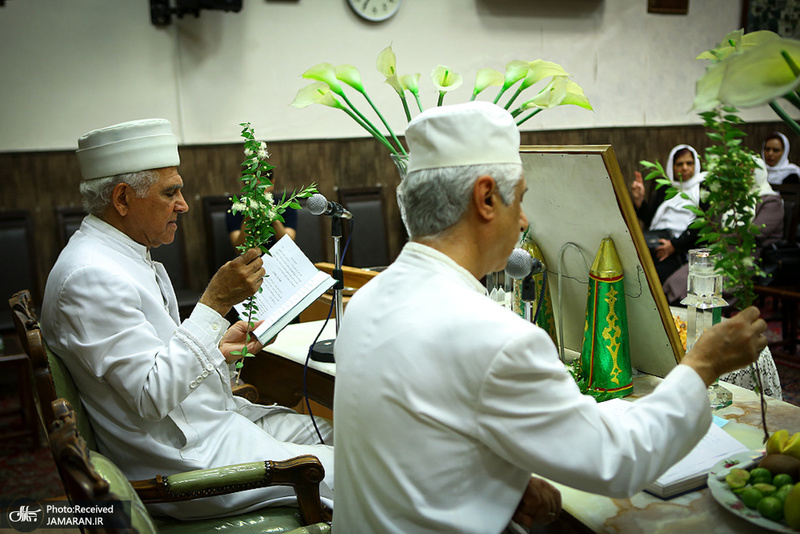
(375, 10)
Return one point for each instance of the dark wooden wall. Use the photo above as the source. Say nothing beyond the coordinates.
(42, 181)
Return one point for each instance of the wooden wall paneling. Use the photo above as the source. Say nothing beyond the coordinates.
(41, 181)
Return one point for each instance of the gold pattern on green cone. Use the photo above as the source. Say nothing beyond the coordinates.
(545, 319)
(605, 355)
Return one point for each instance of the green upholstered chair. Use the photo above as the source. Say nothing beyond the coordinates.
(89, 476)
(55, 387)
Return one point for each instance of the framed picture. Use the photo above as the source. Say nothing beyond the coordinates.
(577, 196)
(779, 16)
(673, 7)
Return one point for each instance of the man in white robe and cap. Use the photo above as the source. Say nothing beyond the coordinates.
(446, 402)
(158, 390)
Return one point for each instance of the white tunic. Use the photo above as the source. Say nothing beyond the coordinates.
(445, 403)
(158, 393)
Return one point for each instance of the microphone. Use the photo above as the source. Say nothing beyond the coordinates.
(520, 264)
(319, 205)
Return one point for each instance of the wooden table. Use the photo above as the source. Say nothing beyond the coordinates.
(696, 512)
(277, 371)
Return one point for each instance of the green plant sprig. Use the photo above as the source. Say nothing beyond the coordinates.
(725, 225)
(256, 202)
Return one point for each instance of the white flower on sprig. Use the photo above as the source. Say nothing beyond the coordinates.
(328, 80)
(259, 208)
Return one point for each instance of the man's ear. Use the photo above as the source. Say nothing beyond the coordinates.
(484, 197)
(120, 197)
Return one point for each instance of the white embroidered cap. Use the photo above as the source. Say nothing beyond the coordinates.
(474, 133)
(127, 147)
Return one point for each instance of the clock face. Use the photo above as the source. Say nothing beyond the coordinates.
(375, 10)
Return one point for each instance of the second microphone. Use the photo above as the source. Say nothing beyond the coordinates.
(317, 204)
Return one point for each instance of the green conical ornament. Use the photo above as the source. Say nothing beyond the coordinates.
(606, 355)
(545, 318)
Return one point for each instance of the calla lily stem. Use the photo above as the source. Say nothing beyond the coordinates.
(380, 115)
(528, 116)
(790, 122)
(372, 131)
(419, 103)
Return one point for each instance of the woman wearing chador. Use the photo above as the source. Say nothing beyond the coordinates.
(683, 171)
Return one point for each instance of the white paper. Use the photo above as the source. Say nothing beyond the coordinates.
(291, 284)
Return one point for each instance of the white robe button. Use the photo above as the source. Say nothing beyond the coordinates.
(193, 384)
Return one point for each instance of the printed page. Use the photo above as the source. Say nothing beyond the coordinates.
(288, 271)
(716, 445)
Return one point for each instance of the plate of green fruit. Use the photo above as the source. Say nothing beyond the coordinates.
(762, 490)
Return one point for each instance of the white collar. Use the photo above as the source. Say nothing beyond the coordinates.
(413, 247)
(120, 239)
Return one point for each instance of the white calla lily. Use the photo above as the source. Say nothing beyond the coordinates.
(316, 93)
(486, 78)
(410, 82)
(540, 69)
(445, 79)
(349, 75)
(750, 78)
(325, 72)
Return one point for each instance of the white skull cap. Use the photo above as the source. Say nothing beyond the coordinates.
(127, 147)
(474, 133)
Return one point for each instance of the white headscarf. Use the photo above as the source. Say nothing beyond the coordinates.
(672, 214)
(779, 172)
(761, 178)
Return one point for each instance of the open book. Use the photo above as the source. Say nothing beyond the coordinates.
(291, 285)
(691, 472)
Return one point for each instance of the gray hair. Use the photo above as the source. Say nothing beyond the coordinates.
(97, 193)
(436, 199)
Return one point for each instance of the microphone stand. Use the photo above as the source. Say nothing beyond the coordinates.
(528, 295)
(323, 350)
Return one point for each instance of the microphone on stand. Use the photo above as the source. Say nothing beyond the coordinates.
(522, 266)
(317, 204)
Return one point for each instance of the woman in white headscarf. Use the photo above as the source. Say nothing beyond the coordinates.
(775, 152)
(671, 215)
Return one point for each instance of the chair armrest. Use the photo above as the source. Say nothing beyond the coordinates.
(304, 473)
(246, 391)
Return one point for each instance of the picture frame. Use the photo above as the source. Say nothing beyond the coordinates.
(578, 196)
(782, 18)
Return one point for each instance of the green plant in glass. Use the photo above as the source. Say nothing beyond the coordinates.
(725, 214)
(260, 209)
(745, 70)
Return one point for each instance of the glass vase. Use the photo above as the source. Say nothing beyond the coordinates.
(401, 162)
(704, 304)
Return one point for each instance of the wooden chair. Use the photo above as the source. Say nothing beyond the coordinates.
(88, 476)
(53, 381)
(785, 290)
(19, 270)
(68, 220)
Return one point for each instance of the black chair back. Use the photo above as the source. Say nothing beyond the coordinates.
(368, 247)
(219, 249)
(311, 233)
(68, 220)
(19, 268)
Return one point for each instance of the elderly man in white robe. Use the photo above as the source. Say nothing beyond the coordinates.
(446, 403)
(158, 391)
